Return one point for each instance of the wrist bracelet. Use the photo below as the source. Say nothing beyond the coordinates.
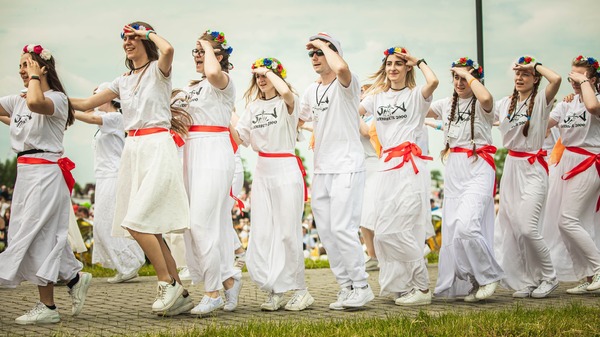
(34, 77)
(582, 82)
(439, 126)
(419, 63)
(471, 81)
(148, 34)
(535, 66)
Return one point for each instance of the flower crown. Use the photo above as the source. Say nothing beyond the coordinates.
(134, 26)
(467, 62)
(36, 48)
(591, 61)
(525, 60)
(391, 51)
(270, 63)
(220, 37)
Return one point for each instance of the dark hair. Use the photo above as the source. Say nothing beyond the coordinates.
(149, 46)
(225, 64)
(54, 82)
(331, 46)
(515, 96)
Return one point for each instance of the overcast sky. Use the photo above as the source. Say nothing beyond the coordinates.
(84, 38)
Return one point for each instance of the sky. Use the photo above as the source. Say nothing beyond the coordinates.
(84, 38)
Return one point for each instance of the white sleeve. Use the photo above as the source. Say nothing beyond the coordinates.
(305, 112)
(243, 126)
(353, 90)
(112, 123)
(438, 108)
(8, 103)
(368, 104)
(61, 104)
(114, 86)
(558, 111)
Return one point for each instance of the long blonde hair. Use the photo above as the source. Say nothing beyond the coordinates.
(253, 92)
(382, 83)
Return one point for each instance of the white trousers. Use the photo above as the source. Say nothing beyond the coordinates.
(275, 258)
(336, 204)
(521, 250)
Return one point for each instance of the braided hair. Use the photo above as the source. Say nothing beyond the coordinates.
(514, 98)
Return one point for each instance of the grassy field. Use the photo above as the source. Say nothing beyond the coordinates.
(571, 320)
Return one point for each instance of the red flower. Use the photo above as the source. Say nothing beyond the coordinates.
(462, 60)
(38, 49)
(579, 57)
(403, 50)
(596, 65)
(25, 49)
(527, 60)
(279, 67)
(480, 70)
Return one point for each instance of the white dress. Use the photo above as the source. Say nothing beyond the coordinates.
(401, 198)
(467, 253)
(275, 258)
(37, 250)
(122, 254)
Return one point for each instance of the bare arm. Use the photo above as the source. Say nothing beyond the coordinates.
(94, 101)
(212, 68)
(430, 78)
(282, 88)
(36, 101)
(588, 94)
(364, 129)
(4, 113)
(551, 123)
(88, 117)
(165, 57)
(335, 61)
(479, 90)
(235, 134)
(554, 80)
(4, 119)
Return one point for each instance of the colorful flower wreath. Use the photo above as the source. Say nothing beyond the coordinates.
(36, 48)
(270, 63)
(220, 37)
(591, 61)
(467, 62)
(134, 26)
(391, 51)
(526, 60)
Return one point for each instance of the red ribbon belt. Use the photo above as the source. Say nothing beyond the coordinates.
(406, 150)
(148, 131)
(531, 157)
(65, 164)
(300, 166)
(584, 165)
(484, 152)
(212, 128)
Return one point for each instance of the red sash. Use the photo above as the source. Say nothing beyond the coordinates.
(148, 131)
(584, 165)
(65, 164)
(484, 152)
(300, 166)
(406, 150)
(531, 157)
(212, 128)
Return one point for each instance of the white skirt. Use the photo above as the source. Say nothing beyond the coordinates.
(586, 187)
(122, 254)
(467, 227)
(401, 206)
(151, 196)
(367, 218)
(275, 258)
(37, 250)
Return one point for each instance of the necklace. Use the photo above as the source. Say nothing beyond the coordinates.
(325, 92)
(147, 63)
(511, 117)
(404, 87)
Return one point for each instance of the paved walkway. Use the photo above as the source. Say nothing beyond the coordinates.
(124, 309)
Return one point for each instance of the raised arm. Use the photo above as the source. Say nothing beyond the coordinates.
(588, 94)
(36, 101)
(335, 61)
(280, 86)
(430, 78)
(479, 90)
(212, 68)
(165, 57)
(553, 78)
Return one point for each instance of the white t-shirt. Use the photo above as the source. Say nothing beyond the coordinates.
(399, 115)
(34, 131)
(577, 126)
(108, 145)
(148, 105)
(210, 105)
(268, 127)
(333, 110)
(512, 127)
(458, 134)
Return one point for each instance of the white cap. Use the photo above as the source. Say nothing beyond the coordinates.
(326, 37)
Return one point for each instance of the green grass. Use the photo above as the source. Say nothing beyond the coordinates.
(148, 269)
(571, 320)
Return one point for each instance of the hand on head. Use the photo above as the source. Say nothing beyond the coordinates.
(462, 71)
(524, 67)
(407, 58)
(260, 71)
(577, 77)
(317, 44)
(33, 68)
(131, 31)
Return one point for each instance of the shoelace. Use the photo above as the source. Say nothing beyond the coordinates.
(583, 285)
(39, 307)
(162, 292)
(295, 298)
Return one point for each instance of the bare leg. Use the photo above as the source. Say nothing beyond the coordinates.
(368, 236)
(47, 294)
(151, 245)
(171, 265)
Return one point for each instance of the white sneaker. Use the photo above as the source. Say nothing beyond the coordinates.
(414, 297)
(182, 305)
(358, 297)
(471, 298)
(524, 293)
(184, 274)
(545, 288)
(120, 278)
(300, 301)
(372, 264)
(232, 295)
(595, 285)
(207, 305)
(79, 292)
(166, 296)
(273, 303)
(485, 291)
(240, 261)
(39, 314)
(580, 289)
(342, 295)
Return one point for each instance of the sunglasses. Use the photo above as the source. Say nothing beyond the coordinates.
(198, 52)
(319, 52)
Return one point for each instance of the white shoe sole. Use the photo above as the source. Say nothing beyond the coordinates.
(170, 304)
(369, 298)
(186, 307)
(308, 303)
(542, 295)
